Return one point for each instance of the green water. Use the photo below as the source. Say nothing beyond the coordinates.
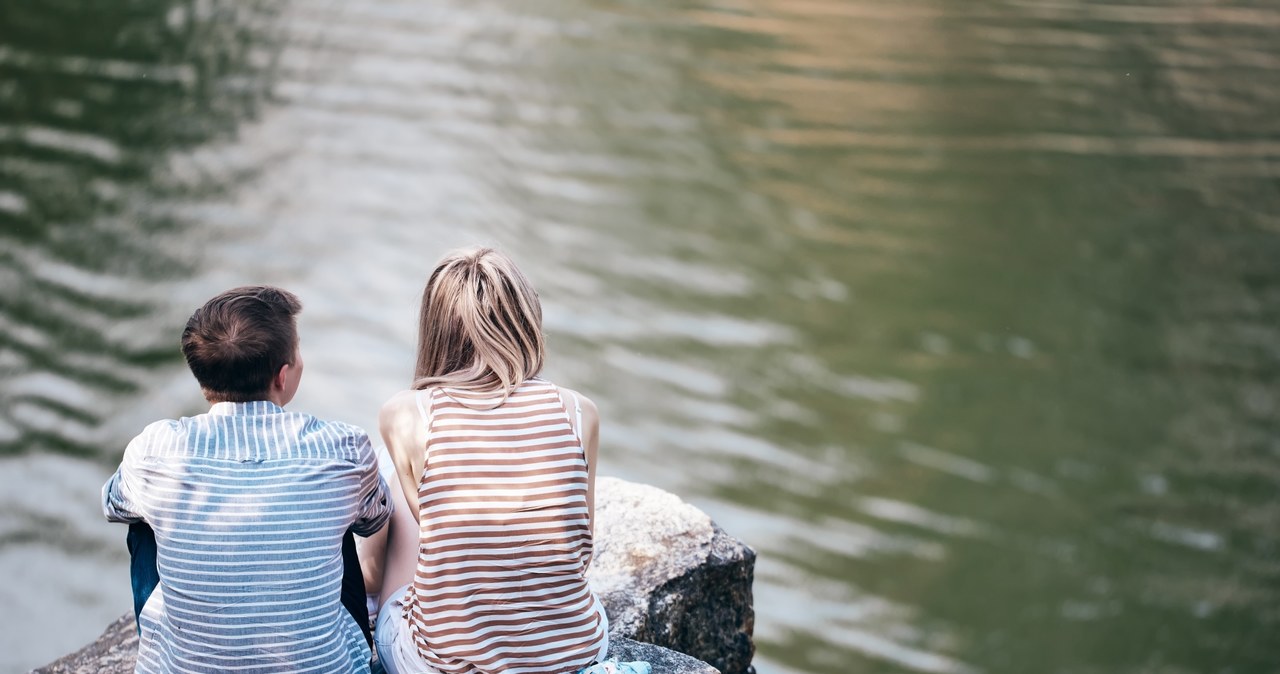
(965, 315)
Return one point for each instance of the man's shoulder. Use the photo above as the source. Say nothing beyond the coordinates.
(165, 437)
(162, 429)
(332, 431)
(317, 424)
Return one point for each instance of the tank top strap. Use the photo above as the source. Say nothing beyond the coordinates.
(577, 410)
(577, 414)
(424, 410)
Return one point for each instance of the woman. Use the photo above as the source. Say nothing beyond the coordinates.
(486, 563)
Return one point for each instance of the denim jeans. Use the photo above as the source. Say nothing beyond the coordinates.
(142, 566)
(144, 575)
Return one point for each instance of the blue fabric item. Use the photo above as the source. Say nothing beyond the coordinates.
(612, 666)
(141, 542)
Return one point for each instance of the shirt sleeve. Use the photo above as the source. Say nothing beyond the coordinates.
(375, 499)
(120, 493)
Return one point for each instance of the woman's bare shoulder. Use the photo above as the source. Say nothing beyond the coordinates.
(398, 405)
(569, 394)
(589, 411)
(401, 423)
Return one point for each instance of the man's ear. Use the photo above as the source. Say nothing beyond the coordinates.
(278, 381)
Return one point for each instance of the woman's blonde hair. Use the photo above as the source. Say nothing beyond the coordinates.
(480, 327)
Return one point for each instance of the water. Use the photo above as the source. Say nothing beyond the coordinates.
(964, 315)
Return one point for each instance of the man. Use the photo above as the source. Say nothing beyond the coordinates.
(249, 505)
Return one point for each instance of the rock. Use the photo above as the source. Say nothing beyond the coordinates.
(663, 660)
(669, 576)
(666, 573)
(113, 653)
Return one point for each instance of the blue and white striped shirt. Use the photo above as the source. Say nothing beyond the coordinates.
(249, 504)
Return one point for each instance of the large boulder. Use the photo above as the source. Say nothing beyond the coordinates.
(669, 576)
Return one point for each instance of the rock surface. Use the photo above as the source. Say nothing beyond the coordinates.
(113, 653)
(676, 587)
(663, 660)
(669, 576)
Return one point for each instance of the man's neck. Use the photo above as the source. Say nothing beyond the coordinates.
(273, 397)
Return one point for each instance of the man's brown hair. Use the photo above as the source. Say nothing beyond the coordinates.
(237, 342)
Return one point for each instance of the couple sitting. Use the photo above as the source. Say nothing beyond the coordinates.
(241, 519)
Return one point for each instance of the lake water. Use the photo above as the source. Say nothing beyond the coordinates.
(965, 315)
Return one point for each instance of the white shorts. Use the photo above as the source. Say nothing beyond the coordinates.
(394, 642)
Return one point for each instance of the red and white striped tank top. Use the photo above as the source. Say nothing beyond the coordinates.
(504, 542)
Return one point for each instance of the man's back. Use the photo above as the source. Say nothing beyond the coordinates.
(249, 504)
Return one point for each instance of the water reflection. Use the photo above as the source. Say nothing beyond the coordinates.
(95, 101)
(1013, 227)
(961, 314)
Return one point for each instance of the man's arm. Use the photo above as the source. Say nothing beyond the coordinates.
(375, 500)
(119, 494)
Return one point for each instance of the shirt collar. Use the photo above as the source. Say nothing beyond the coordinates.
(251, 408)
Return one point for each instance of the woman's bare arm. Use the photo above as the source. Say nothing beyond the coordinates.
(590, 434)
(405, 433)
(402, 547)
